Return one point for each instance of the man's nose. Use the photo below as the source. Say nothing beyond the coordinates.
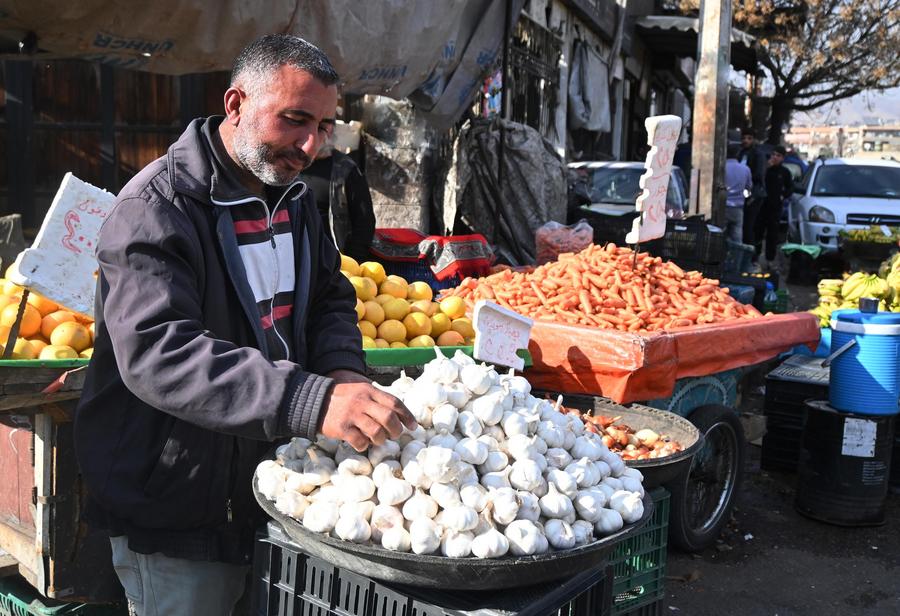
(310, 142)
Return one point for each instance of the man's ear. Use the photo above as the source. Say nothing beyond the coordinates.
(234, 98)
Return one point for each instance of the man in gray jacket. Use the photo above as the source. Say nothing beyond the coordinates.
(223, 324)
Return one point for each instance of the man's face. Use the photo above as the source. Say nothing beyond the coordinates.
(746, 141)
(776, 159)
(282, 126)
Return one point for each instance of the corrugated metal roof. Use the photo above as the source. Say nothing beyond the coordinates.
(678, 35)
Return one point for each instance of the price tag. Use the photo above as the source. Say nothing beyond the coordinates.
(859, 438)
(885, 230)
(61, 263)
(499, 333)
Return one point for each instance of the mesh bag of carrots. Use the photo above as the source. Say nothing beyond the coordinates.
(609, 287)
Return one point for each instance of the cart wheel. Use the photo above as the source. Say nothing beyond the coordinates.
(702, 498)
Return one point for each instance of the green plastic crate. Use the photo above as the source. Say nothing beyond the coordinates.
(17, 598)
(639, 562)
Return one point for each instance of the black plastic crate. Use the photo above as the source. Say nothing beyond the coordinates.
(289, 582)
(693, 239)
(651, 609)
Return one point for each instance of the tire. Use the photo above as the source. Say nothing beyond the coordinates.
(702, 498)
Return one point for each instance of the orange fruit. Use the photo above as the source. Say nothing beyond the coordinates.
(367, 329)
(368, 343)
(71, 334)
(381, 343)
(424, 306)
(49, 322)
(6, 300)
(374, 313)
(454, 307)
(417, 324)
(463, 325)
(373, 270)
(450, 338)
(87, 353)
(420, 290)
(43, 305)
(31, 319)
(57, 352)
(23, 350)
(349, 265)
(365, 288)
(422, 341)
(39, 345)
(394, 287)
(360, 309)
(396, 309)
(440, 323)
(398, 345)
(392, 330)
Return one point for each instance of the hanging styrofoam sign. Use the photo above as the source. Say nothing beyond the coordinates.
(662, 137)
(61, 264)
(499, 333)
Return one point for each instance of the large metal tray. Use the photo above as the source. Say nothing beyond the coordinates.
(456, 573)
(658, 471)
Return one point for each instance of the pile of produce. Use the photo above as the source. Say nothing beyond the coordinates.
(873, 235)
(631, 444)
(395, 313)
(490, 470)
(47, 331)
(835, 294)
(606, 287)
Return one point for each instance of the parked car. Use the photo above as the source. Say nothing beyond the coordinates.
(612, 187)
(844, 193)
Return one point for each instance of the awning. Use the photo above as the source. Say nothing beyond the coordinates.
(668, 34)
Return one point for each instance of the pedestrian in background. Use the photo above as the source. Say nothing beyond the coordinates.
(739, 183)
(754, 158)
(779, 186)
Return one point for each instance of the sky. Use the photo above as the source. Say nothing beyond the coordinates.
(861, 108)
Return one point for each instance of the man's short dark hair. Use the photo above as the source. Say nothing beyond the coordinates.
(747, 131)
(779, 149)
(734, 150)
(272, 51)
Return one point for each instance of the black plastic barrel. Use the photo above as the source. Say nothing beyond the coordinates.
(845, 461)
(894, 481)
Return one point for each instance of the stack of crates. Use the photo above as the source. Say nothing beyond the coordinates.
(639, 565)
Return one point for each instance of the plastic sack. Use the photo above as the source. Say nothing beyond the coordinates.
(553, 239)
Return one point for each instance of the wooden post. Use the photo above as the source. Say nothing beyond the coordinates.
(710, 123)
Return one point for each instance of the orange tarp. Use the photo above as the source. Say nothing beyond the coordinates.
(630, 367)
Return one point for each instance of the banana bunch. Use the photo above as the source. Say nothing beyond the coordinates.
(864, 285)
(830, 287)
(823, 312)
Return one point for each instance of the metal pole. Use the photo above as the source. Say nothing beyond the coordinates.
(501, 151)
(710, 122)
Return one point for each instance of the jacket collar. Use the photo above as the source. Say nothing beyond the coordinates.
(200, 166)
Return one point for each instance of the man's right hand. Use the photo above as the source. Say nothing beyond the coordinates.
(362, 415)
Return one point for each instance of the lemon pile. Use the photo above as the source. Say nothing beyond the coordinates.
(46, 331)
(397, 314)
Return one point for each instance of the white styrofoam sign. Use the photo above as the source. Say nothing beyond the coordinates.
(859, 438)
(662, 137)
(62, 262)
(499, 333)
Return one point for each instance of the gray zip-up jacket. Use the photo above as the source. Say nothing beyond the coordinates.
(180, 398)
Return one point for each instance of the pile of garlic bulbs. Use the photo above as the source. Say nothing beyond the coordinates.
(490, 470)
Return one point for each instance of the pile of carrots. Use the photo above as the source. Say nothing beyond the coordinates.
(610, 288)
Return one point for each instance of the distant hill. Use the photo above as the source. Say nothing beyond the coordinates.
(865, 108)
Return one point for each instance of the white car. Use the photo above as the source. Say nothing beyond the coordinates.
(844, 193)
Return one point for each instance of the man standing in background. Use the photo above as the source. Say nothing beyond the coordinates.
(739, 183)
(779, 186)
(751, 156)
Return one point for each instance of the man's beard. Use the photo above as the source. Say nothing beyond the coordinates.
(260, 160)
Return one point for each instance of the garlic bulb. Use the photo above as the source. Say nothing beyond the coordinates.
(476, 378)
(411, 450)
(633, 473)
(394, 491)
(270, 481)
(415, 475)
(408, 436)
(632, 485)
(321, 516)
(576, 425)
(471, 450)
(458, 517)
(384, 471)
(318, 469)
(469, 425)
(602, 469)
(474, 496)
(292, 504)
(541, 461)
(344, 451)
(583, 531)
(520, 446)
(525, 475)
(465, 474)
(498, 479)
(564, 482)
(385, 517)
(442, 370)
(489, 409)
(445, 495)
(529, 507)
(559, 534)
(355, 465)
(328, 493)
(444, 417)
(389, 450)
(569, 441)
(504, 505)
(363, 509)
(354, 488)
(518, 385)
(458, 395)
(443, 439)
(585, 472)
(525, 538)
(556, 505)
(588, 445)
(492, 544)
(403, 384)
(419, 505)
(396, 539)
(541, 489)
(297, 482)
(462, 359)
(614, 482)
(514, 423)
(328, 445)
(616, 464)
(353, 528)
(492, 443)
(606, 489)
(420, 411)
(495, 432)
(552, 434)
(588, 504)
(628, 504)
(456, 544)
(609, 522)
(424, 536)
(438, 463)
